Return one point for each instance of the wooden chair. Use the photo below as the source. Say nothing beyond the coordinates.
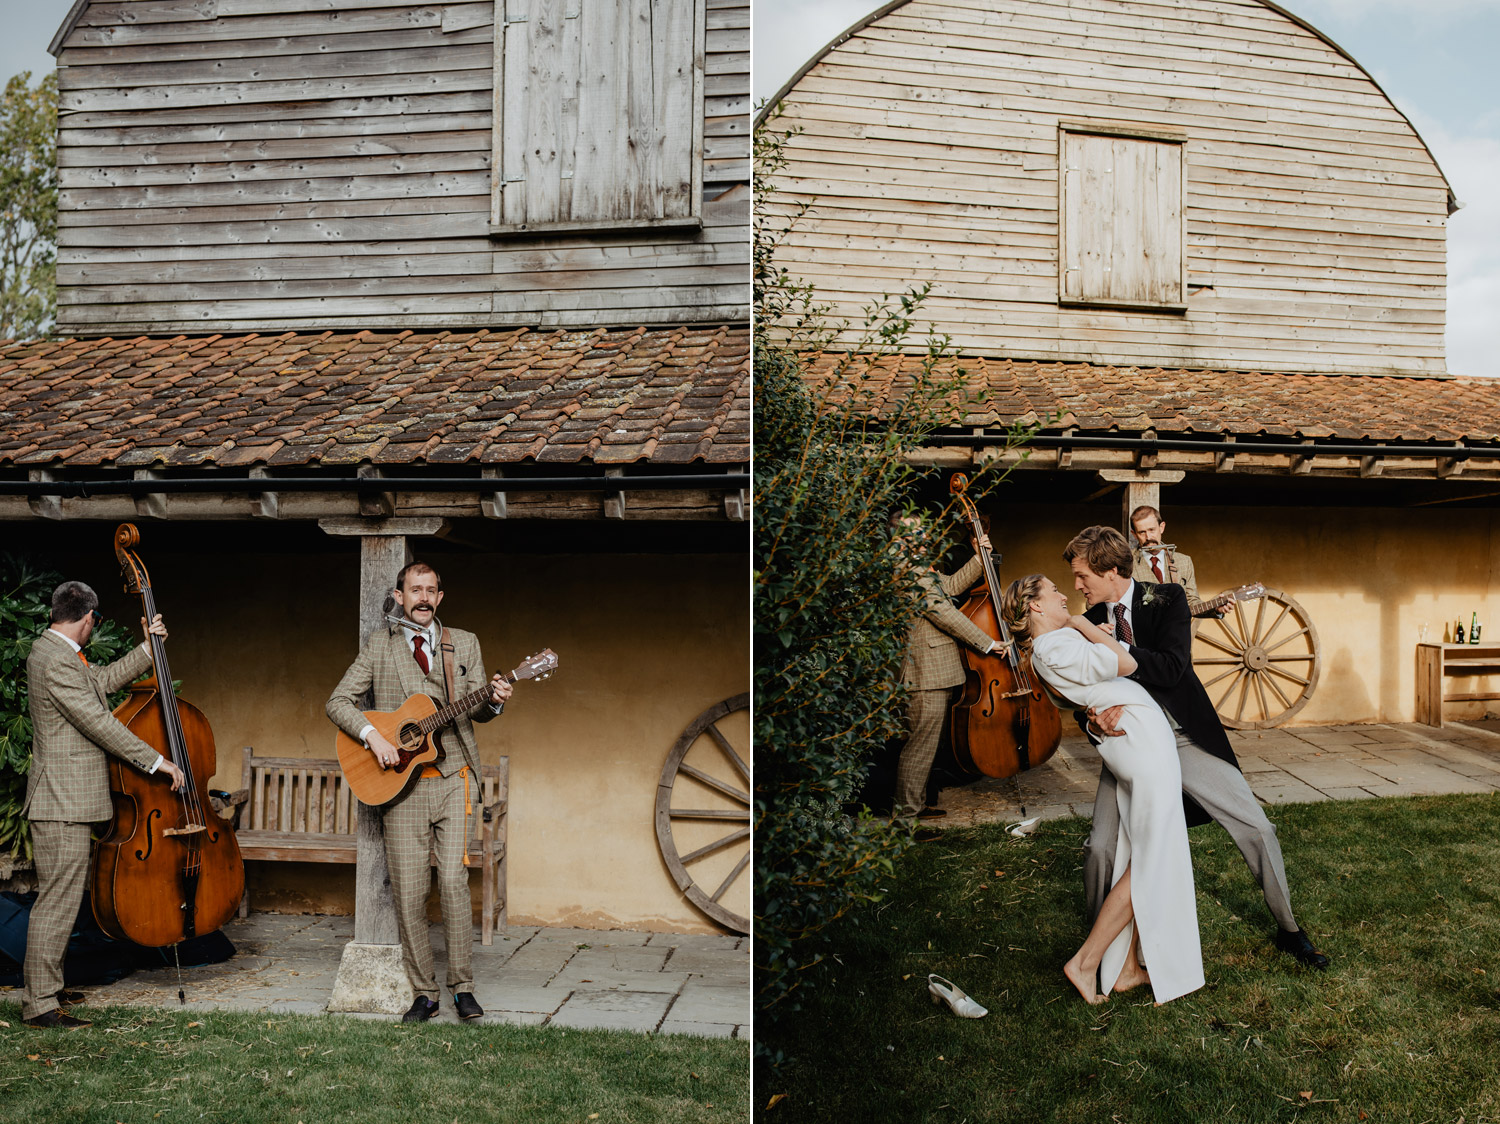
(296, 809)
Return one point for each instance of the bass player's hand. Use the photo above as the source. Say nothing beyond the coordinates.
(384, 751)
(171, 770)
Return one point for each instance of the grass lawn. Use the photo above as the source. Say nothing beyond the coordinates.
(149, 1064)
(1404, 1025)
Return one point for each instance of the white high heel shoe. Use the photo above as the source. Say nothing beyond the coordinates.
(953, 995)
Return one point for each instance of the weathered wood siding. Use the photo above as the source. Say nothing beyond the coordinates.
(1314, 215)
(260, 164)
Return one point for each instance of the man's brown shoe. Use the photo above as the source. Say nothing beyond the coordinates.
(56, 1019)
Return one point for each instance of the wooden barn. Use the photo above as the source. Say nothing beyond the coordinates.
(1197, 243)
(344, 283)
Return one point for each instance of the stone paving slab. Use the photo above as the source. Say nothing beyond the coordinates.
(1284, 766)
(529, 976)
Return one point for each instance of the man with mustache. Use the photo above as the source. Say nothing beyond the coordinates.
(396, 663)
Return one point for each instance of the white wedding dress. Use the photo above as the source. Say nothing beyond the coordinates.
(1153, 838)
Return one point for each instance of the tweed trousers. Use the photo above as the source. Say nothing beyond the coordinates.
(431, 818)
(62, 871)
(925, 711)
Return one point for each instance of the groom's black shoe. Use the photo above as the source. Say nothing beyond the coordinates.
(1299, 946)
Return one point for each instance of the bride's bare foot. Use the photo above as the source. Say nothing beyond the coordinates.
(1132, 975)
(1083, 981)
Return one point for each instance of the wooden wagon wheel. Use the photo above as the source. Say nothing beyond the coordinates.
(1260, 663)
(732, 784)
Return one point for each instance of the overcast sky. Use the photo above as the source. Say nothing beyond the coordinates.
(1436, 59)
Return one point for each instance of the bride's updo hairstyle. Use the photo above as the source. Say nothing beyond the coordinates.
(1015, 603)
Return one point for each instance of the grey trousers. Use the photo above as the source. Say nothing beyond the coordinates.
(1225, 795)
(62, 852)
(925, 711)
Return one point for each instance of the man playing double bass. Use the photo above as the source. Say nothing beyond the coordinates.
(68, 789)
(396, 663)
(932, 668)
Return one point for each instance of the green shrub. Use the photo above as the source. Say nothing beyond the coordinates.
(834, 599)
(25, 605)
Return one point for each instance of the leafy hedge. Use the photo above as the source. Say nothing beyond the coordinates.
(25, 606)
(834, 599)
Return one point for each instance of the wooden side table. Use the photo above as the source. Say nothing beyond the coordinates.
(1437, 663)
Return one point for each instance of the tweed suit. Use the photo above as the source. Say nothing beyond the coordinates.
(67, 791)
(932, 669)
(433, 813)
(1179, 571)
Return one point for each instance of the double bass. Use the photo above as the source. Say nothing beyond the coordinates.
(1003, 723)
(169, 868)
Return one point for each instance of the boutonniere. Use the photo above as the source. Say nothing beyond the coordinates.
(1148, 593)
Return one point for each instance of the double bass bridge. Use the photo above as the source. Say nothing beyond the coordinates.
(191, 829)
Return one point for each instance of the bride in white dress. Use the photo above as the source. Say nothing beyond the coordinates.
(1150, 912)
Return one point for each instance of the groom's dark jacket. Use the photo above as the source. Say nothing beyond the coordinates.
(1164, 666)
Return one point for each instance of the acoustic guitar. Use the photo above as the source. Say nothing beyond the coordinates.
(1229, 597)
(415, 728)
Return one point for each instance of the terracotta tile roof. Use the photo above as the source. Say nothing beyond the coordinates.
(1099, 398)
(654, 395)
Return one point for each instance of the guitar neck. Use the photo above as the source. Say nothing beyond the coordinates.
(445, 714)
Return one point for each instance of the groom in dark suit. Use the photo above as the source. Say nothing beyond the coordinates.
(1153, 622)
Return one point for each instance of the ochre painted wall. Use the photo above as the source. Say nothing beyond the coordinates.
(1367, 577)
(645, 643)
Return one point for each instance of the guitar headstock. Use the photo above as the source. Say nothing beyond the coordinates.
(1248, 592)
(539, 666)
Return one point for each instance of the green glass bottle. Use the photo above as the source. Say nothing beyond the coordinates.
(1474, 629)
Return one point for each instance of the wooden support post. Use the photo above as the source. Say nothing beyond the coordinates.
(268, 504)
(614, 502)
(371, 976)
(47, 507)
(152, 505)
(1142, 486)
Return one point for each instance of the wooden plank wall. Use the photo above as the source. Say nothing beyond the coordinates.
(1315, 216)
(233, 165)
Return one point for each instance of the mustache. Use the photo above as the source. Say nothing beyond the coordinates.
(423, 605)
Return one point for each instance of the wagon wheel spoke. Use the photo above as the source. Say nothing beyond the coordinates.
(733, 874)
(1222, 674)
(1260, 693)
(1239, 711)
(1287, 639)
(733, 836)
(1219, 659)
(1230, 689)
(734, 758)
(710, 814)
(713, 782)
(1286, 703)
(1260, 615)
(1287, 675)
(1235, 652)
(1239, 624)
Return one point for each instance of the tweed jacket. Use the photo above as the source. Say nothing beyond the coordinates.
(72, 729)
(1179, 571)
(386, 666)
(932, 661)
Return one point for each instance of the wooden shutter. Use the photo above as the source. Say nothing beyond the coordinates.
(598, 115)
(1121, 220)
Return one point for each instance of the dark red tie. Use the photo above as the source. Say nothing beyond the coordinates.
(1155, 569)
(421, 655)
(1122, 626)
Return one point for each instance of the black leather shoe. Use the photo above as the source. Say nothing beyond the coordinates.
(421, 1010)
(467, 1006)
(70, 998)
(55, 1019)
(930, 813)
(1298, 945)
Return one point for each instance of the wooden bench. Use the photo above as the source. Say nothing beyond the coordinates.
(1437, 663)
(295, 809)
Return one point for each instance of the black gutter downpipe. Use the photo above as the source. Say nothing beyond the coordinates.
(1219, 445)
(105, 486)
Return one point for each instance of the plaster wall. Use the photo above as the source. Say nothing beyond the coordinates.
(645, 643)
(1369, 579)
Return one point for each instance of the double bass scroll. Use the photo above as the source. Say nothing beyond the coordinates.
(169, 868)
(1003, 722)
